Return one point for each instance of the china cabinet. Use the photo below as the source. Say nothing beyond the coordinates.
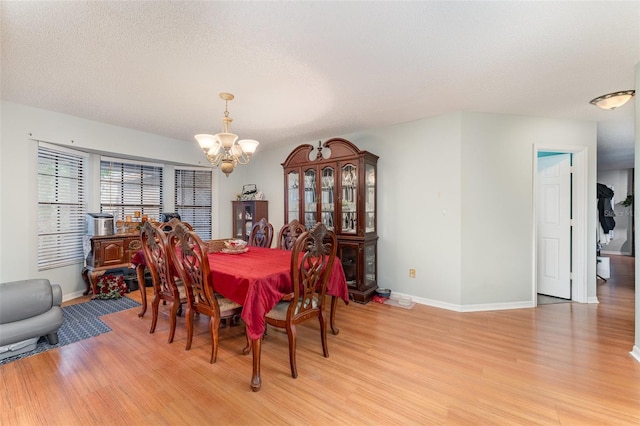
(336, 185)
(245, 214)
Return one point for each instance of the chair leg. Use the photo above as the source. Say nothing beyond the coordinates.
(155, 304)
(291, 333)
(173, 315)
(189, 320)
(214, 323)
(323, 335)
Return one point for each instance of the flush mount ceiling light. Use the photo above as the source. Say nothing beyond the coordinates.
(613, 100)
(222, 149)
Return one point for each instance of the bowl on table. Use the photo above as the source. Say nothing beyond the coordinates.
(235, 244)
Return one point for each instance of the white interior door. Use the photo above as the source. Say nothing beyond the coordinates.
(553, 205)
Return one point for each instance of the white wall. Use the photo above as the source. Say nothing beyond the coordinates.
(454, 202)
(21, 127)
(620, 181)
(497, 201)
(419, 179)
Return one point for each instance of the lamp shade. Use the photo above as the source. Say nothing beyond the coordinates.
(248, 145)
(205, 141)
(227, 139)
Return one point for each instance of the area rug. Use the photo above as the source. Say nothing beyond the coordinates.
(80, 321)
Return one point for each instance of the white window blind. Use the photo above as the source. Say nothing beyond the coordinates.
(193, 199)
(129, 186)
(61, 206)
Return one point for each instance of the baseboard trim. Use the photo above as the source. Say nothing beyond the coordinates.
(617, 253)
(72, 296)
(469, 308)
(636, 352)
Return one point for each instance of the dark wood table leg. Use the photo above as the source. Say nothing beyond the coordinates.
(256, 381)
(143, 289)
(332, 315)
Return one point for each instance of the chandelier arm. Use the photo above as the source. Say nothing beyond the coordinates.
(244, 158)
(215, 160)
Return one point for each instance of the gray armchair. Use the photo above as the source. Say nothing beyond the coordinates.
(29, 309)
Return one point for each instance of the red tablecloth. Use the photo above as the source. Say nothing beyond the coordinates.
(259, 278)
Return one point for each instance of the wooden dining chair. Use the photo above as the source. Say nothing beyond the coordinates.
(289, 233)
(171, 224)
(312, 259)
(165, 287)
(190, 257)
(261, 234)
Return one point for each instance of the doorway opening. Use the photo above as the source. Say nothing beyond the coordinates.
(566, 257)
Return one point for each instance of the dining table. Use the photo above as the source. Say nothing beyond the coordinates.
(257, 279)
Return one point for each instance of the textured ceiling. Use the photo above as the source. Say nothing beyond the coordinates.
(308, 70)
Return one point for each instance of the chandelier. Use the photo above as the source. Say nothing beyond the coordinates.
(224, 149)
(613, 100)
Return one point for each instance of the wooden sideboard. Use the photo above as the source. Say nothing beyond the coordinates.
(108, 252)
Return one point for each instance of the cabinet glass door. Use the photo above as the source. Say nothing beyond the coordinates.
(349, 257)
(370, 264)
(243, 217)
(310, 202)
(327, 194)
(293, 194)
(370, 198)
(238, 217)
(349, 182)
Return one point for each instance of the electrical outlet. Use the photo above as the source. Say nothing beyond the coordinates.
(412, 273)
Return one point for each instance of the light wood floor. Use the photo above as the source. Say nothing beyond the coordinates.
(563, 364)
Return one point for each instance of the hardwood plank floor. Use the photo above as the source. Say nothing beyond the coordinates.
(563, 364)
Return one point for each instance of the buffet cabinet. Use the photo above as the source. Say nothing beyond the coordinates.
(113, 250)
(108, 252)
(246, 214)
(337, 187)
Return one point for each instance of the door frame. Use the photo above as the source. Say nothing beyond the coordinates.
(579, 201)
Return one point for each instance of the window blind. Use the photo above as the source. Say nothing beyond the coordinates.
(61, 206)
(193, 195)
(128, 186)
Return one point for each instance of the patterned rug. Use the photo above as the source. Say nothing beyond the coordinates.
(80, 321)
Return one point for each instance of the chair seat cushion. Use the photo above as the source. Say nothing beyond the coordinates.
(227, 304)
(279, 312)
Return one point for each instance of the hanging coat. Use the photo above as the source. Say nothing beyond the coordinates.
(605, 209)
